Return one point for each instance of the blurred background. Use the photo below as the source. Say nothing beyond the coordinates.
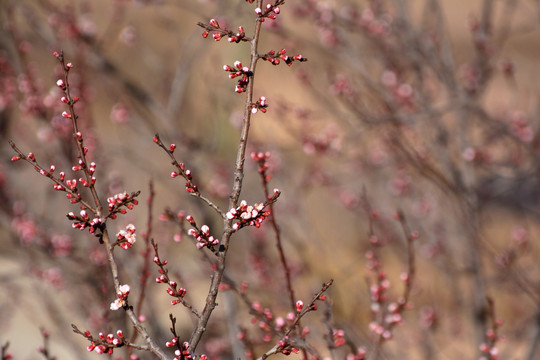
(426, 108)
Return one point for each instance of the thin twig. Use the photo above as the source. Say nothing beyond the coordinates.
(234, 196)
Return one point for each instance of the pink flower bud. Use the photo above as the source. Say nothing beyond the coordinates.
(484, 348)
(205, 229)
(404, 276)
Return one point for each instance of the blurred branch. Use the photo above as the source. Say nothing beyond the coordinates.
(533, 347)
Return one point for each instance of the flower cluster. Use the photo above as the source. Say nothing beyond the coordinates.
(386, 314)
(251, 215)
(186, 174)
(260, 105)
(261, 159)
(338, 337)
(163, 278)
(121, 301)
(172, 342)
(202, 235)
(60, 182)
(126, 238)
(248, 215)
(218, 32)
(519, 126)
(271, 11)
(67, 98)
(488, 353)
(184, 354)
(182, 171)
(265, 320)
(271, 325)
(378, 290)
(105, 343)
(489, 349)
(378, 300)
(119, 202)
(172, 290)
(284, 346)
(238, 70)
(83, 221)
(91, 170)
(73, 194)
(275, 57)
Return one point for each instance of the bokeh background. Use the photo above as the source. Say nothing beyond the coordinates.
(425, 107)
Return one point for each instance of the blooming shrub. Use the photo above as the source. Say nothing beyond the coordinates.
(326, 180)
